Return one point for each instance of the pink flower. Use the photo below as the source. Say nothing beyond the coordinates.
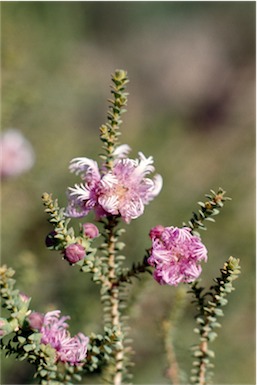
(176, 255)
(90, 230)
(54, 332)
(123, 191)
(16, 154)
(74, 252)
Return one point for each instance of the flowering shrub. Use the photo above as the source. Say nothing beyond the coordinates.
(116, 192)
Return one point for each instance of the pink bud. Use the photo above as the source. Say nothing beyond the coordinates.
(24, 297)
(156, 231)
(90, 230)
(74, 252)
(36, 320)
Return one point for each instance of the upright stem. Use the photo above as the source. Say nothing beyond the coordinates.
(203, 347)
(109, 134)
(113, 316)
(170, 328)
(173, 370)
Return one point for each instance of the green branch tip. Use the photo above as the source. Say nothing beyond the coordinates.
(208, 210)
(110, 131)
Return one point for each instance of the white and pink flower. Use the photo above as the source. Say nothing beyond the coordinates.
(176, 255)
(123, 191)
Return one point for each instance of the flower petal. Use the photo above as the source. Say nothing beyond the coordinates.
(121, 151)
(82, 165)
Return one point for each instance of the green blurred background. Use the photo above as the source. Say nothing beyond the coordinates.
(192, 106)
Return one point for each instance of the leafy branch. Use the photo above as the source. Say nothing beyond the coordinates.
(62, 235)
(109, 132)
(207, 210)
(206, 319)
(169, 328)
(134, 272)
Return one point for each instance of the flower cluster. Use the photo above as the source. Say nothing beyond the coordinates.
(121, 191)
(54, 332)
(176, 255)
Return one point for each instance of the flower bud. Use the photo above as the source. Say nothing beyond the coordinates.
(156, 231)
(74, 252)
(36, 320)
(24, 297)
(90, 230)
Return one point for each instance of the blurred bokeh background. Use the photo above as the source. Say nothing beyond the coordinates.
(192, 106)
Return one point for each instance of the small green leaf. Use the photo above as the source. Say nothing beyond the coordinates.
(43, 373)
(28, 347)
(212, 336)
(21, 339)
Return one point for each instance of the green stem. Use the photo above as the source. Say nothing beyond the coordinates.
(111, 300)
(169, 334)
(134, 271)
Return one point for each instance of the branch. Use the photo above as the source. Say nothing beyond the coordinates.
(109, 132)
(206, 320)
(208, 209)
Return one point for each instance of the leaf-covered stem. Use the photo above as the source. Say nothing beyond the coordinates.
(134, 272)
(169, 327)
(109, 132)
(111, 300)
(60, 222)
(208, 311)
(100, 349)
(207, 210)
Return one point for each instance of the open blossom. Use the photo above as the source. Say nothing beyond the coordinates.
(54, 332)
(16, 153)
(123, 191)
(176, 255)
